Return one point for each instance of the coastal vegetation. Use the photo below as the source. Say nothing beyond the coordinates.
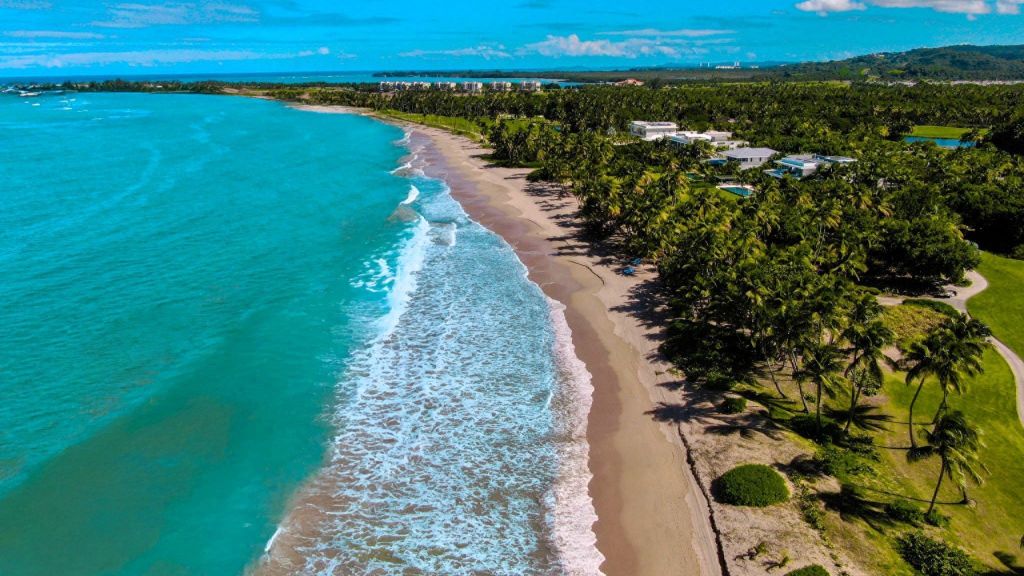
(754, 485)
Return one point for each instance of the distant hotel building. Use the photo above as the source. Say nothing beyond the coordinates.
(445, 86)
(530, 86)
(472, 87)
(501, 86)
(652, 130)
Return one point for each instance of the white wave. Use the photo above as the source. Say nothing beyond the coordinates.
(402, 168)
(410, 262)
(414, 193)
(572, 510)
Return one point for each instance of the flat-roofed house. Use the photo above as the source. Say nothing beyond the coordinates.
(530, 86)
(446, 86)
(749, 157)
(652, 130)
(803, 165)
(472, 87)
(501, 86)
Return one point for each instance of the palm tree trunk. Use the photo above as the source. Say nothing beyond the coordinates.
(942, 407)
(817, 407)
(775, 381)
(910, 422)
(935, 495)
(854, 394)
(799, 384)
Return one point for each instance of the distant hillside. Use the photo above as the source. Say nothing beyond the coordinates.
(948, 63)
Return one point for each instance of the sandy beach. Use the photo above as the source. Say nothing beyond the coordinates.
(652, 517)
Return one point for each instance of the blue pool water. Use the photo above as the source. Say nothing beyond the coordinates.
(942, 142)
(223, 316)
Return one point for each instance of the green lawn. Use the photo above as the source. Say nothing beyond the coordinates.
(1001, 306)
(461, 126)
(953, 132)
(995, 527)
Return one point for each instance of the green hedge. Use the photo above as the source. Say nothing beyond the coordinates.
(751, 485)
(733, 405)
(934, 557)
(812, 570)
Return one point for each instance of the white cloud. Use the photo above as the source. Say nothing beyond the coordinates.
(485, 51)
(54, 34)
(572, 45)
(136, 15)
(823, 7)
(143, 58)
(971, 8)
(685, 32)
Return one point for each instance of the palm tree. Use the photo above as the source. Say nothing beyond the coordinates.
(823, 365)
(867, 336)
(956, 442)
(947, 353)
(965, 342)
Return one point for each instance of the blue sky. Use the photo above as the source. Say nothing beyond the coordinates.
(69, 37)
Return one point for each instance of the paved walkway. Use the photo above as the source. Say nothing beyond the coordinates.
(959, 301)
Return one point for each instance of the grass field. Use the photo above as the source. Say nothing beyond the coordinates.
(1001, 306)
(991, 532)
(953, 132)
(460, 126)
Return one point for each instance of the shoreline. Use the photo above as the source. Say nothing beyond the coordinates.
(653, 516)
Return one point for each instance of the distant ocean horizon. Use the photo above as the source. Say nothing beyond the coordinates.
(215, 306)
(356, 77)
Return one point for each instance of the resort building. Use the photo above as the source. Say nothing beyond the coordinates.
(386, 86)
(501, 86)
(472, 87)
(446, 86)
(420, 86)
(530, 86)
(652, 130)
(749, 157)
(803, 165)
(718, 139)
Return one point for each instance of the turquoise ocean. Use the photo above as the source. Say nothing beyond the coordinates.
(230, 327)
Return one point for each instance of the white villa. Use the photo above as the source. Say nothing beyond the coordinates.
(749, 157)
(472, 87)
(719, 139)
(802, 165)
(652, 130)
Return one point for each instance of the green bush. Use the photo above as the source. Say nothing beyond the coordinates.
(904, 511)
(751, 485)
(733, 405)
(812, 570)
(934, 557)
(841, 463)
(940, 307)
(937, 519)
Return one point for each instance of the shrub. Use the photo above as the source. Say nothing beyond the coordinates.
(841, 463)
(751, 485)
(934, 557)
(733, 405)
(940, 307)
(935, 518)
(904, 511)
(812, 570)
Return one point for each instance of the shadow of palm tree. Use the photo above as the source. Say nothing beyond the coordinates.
(851, 503)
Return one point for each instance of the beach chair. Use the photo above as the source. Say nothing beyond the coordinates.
(629, 271)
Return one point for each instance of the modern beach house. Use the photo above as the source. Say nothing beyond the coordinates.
(652, 130)
(803, 165)
(749, 157)
(719, 139)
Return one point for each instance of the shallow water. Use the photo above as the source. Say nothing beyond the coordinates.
(217, 306)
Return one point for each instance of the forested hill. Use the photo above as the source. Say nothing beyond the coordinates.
(947, 63)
